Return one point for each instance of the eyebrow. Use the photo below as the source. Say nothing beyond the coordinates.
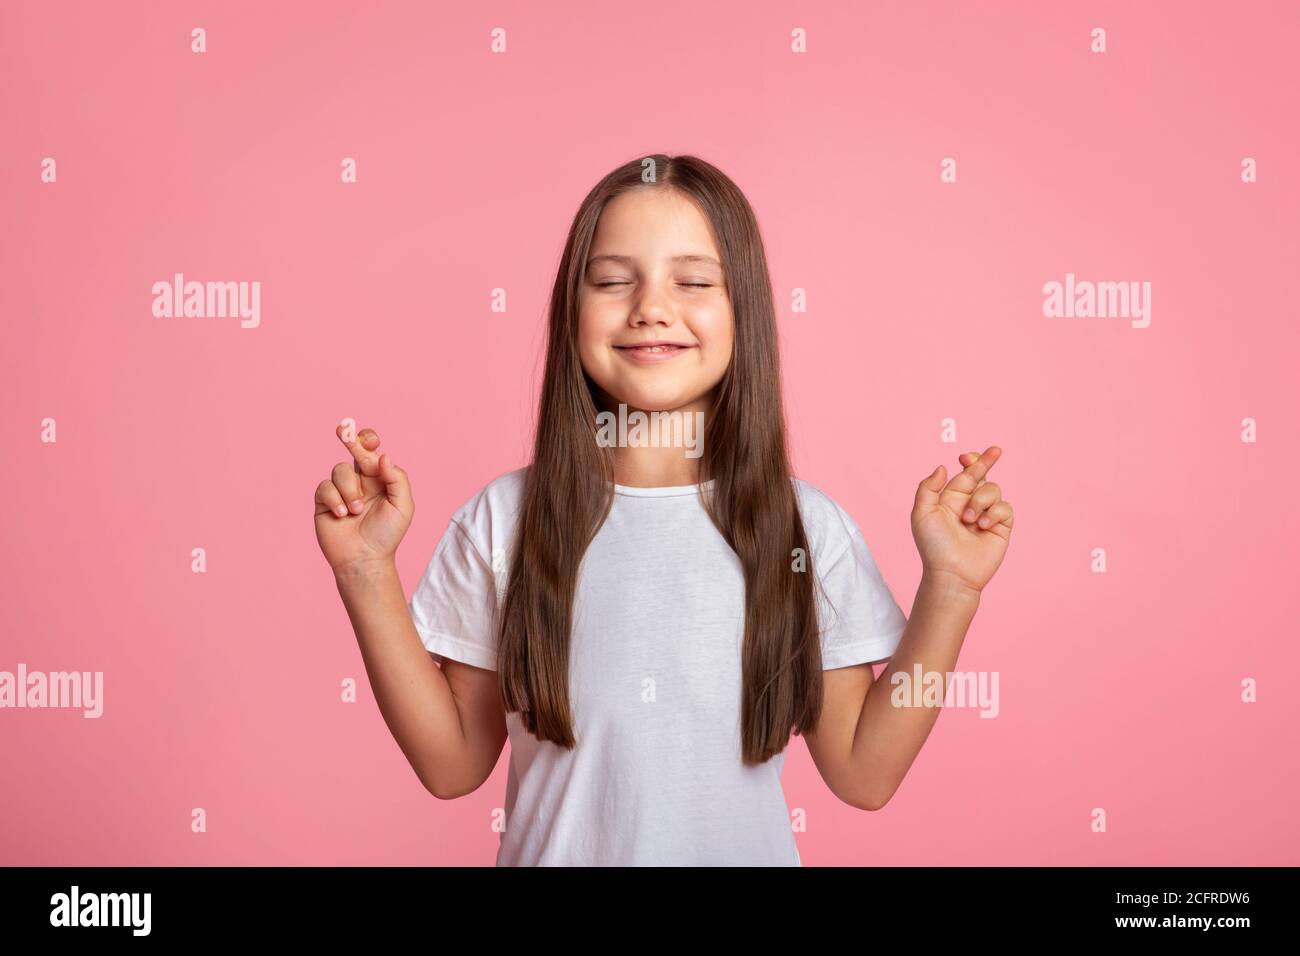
(691, 257)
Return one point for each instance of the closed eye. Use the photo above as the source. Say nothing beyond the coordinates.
(693, 285)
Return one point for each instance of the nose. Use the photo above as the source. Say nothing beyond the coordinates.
(649, 309)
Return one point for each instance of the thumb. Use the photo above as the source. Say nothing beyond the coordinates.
(397, 488)
(927, 492)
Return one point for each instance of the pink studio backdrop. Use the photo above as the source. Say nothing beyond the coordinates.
(1119, 690)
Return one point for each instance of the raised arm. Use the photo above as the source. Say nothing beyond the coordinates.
(864, 744)
(449, 722)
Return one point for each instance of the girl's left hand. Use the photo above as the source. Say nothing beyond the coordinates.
(962, 528)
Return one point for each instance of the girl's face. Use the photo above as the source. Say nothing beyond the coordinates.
(654, 278)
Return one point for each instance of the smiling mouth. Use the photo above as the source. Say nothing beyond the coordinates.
(652, 353)
(654, 348)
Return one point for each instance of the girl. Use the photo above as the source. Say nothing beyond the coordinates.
(649, 618)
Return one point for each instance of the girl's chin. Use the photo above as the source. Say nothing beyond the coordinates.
(653, 403)
(658, 397)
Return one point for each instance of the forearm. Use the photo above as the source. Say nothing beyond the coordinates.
(413, 694)
(889, 736)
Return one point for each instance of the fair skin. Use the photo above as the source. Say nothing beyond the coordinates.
(653, 276)
(449, 721)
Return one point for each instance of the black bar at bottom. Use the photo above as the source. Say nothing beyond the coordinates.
(930, 904)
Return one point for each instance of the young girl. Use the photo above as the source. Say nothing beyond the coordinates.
(649, 621)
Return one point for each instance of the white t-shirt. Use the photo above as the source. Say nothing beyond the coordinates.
(656, 777)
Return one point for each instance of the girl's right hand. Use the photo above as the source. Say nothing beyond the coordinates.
(364, 508)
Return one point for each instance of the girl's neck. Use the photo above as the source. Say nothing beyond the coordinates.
(654, 468)
(668, 465)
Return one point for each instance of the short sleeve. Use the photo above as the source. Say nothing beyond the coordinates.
(859, 619)
(454, 605)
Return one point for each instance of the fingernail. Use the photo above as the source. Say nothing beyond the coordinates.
(340, 511)
(970, 514)
(357, 504)
(984, 521)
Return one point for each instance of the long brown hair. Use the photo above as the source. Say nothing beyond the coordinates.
(568, 490)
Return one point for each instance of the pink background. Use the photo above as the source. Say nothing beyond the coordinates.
(222, 690)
